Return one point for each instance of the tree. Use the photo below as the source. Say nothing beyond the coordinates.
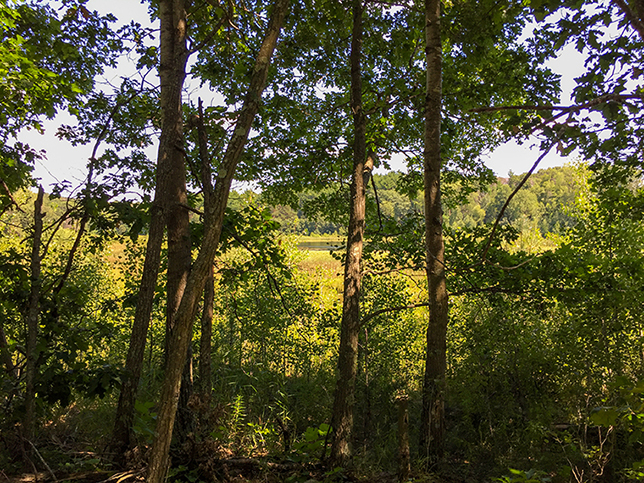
(168, 208)
(213, 220)
(33, 320)
(603, 121)
(48, 63)
(432, 431)
(289, 152)
(350, 325)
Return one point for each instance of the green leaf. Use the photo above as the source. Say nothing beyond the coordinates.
(604, 416)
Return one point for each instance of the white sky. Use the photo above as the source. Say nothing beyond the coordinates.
(66, 162)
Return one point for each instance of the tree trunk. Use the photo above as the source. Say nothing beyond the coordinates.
(432, 427)
(32, 322)
(205, 346)
(348, 352)
(205, 349)
(214, 216)
(185, 421)
(121, 435)
(172, 74)
(367, 392)
(178, 220)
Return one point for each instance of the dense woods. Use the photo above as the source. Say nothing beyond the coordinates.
(158, 325)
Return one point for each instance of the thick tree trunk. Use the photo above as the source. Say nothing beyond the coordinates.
(32, 322)
(172, 75)
(348, 352)
(432, 427)
(175, 199)
(214, 216)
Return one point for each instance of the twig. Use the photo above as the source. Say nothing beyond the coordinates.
(209, 37)
(564, 109)
(372, 315)
(524, 262)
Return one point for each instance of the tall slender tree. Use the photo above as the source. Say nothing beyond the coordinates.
(33, 320)
(350, 327)
(432, 428)
(169, 199)
(176, 203)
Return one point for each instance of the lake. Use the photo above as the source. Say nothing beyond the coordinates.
(320, 245)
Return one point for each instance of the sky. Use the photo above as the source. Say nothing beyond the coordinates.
(64, 162)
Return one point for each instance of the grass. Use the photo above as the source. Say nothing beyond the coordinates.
(321, 259)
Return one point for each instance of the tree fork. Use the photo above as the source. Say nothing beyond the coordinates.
(214, 216)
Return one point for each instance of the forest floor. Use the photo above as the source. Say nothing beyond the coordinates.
(265, 477)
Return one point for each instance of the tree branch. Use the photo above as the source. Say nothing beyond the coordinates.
(399, 308)
(564, 109)
(512, 195)
(635, 20)
(11, 198)
(210, 36)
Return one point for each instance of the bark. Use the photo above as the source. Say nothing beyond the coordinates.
(185, 421)
(214, 216)
(348, 352)
(177, 219)
(172, 73)
(432, 429)
(122, 433)
(32, 321)
(173, 57)
(367, 391)
(205, 346)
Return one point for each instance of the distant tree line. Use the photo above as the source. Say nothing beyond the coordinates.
(544, 204)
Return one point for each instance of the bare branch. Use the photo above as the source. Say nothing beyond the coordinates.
(512, 195)
(13, 200)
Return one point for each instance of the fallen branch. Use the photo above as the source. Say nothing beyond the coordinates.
(53, 476)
